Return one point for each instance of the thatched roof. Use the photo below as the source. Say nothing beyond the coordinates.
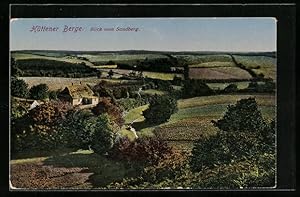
(80, 91)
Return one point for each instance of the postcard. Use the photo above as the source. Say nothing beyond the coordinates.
(181, 103)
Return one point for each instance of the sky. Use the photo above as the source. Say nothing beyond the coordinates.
(159, 34)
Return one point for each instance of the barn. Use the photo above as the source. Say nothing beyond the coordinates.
(78, 95)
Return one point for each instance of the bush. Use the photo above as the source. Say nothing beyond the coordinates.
(105, 105)
(53, 95)
(103, 136)
(209, 152)
(242, 117)
(77, 129)
(192, 88)
(231, 88)
(160, 109)
(39, 128)
(49, 113)
(19, 88)
(243, 134)
(39, 91)
(177, 81)
(146, 151)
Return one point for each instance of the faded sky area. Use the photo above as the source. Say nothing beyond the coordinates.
(160, 34)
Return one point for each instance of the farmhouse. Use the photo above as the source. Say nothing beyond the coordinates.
(78, 95)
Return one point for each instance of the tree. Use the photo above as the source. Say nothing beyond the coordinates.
(110, 74)
(231, 88)
(39, 91)
(99, 74)
(186, 71)
(160, 109)
(103, 136)
(105, 105)
(78, 128)
(15, 71)
(50, 112)
(243, 135)
(19, 88)
(192, 88)
(53, 94)
(244, 116)
(146, 150)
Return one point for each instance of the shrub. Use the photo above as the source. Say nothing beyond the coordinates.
(19, 88)
(160, 109)
(242, 117)
(103, 136)
(53, 94)
(49, 112)
(77, 129)
(146, 151)
(192, 88)
(39, 128)
(231, 88)
(39, 91)
(105, 105)
(243, 134)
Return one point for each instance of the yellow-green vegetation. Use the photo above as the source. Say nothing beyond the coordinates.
(105, 66)
(262, 100)
(163, 76)
(125, 133)
(221, 86)
(212, 64)
(28, 160)
(135, 115)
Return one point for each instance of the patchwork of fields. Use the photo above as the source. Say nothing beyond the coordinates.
(193, 119)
